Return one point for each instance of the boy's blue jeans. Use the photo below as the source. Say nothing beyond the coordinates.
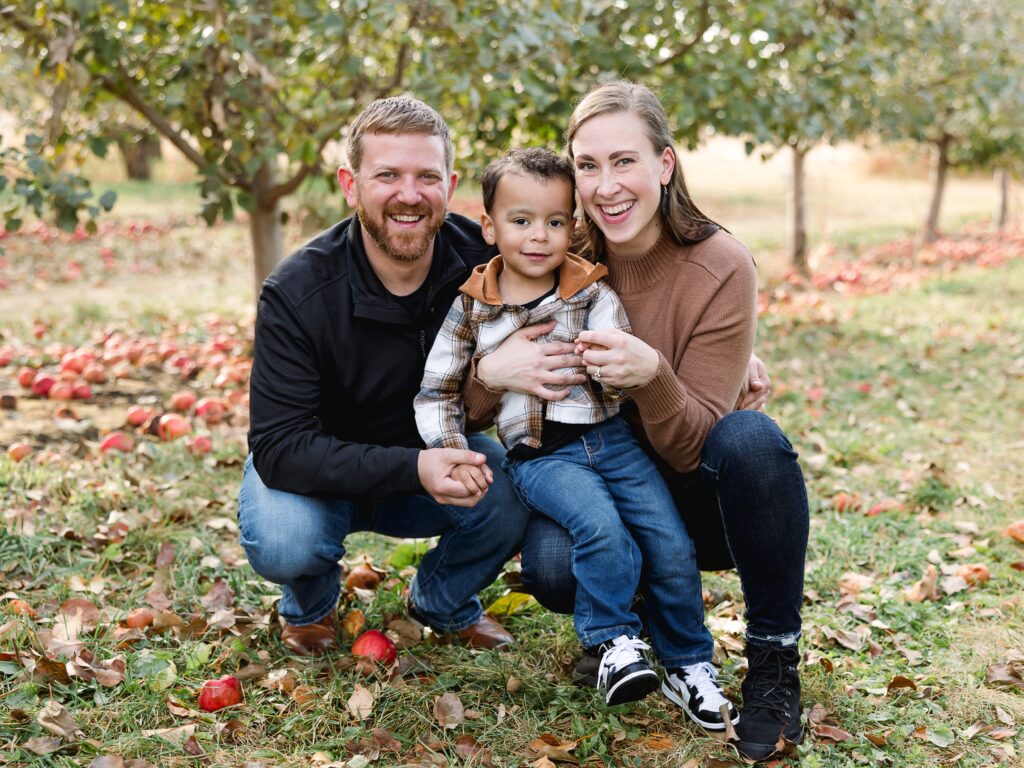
(296, 541)
(746, 508)
(622, 521)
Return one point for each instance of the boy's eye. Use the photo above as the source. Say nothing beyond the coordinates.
(556, 223)
(520, 221)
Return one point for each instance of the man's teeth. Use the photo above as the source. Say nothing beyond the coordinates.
(615, 210)
(398, 217)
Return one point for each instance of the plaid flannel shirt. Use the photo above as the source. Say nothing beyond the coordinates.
(479, 322)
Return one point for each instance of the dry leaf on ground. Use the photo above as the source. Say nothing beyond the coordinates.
(360, 703)
(55, 718)
(448, 711)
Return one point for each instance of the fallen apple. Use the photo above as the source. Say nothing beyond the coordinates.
(200, 445)
(117, 441)
(222, 692)
(42, 383)
(374, 644)
(137, 415)
(26, 375)
(183, 401)
(211, 410)
(18, 451)
(172, 426)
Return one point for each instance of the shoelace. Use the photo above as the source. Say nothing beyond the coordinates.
(704, 678)
(767, 688)
(621, 652)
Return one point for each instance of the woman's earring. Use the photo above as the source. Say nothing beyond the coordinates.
(664, 200)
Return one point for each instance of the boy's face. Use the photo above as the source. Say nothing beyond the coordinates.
(531, 222)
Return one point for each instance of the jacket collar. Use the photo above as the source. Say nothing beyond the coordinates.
(574, 275)
(371, 300)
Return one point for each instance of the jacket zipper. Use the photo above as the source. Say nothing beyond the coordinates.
(423, 343)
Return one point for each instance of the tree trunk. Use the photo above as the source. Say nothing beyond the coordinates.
(138, 152)
(798, 239)
(940, 165)
(1003, 208)
(265, 228)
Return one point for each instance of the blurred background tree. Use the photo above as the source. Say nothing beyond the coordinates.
(251, 92)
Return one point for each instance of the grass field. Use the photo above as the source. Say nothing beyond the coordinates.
(907, 408)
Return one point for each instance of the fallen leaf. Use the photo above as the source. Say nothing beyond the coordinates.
(404, 633)
(175, 735)
(511, 603)
(550, 747)
(192, 747)
(360, 703)
(166, 554)
(220, 596)
(926, 588)
(55, 718)
(448, 711)
(43, 745)
(1003, 674)
(974, 573)
(854, 583)
(1015, 530)
(305, 697)
(849, 640)
(878, 739)
(468, 748)
(659, 741)
(353, 623)
(899, 681)
(384, 739)
(283, 680)
(107, 761)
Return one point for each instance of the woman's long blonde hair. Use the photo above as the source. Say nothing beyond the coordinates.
(684, 221)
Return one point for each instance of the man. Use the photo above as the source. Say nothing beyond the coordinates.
(342, 331)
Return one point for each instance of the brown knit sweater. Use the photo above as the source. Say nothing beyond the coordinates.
(696, 305)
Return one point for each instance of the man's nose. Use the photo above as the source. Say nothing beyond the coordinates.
(408, 190)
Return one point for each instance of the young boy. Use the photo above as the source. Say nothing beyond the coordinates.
(575, 460)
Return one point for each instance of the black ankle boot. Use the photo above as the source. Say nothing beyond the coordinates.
(770, 718)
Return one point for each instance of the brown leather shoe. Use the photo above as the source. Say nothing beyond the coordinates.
(486, 633)
(312, 639)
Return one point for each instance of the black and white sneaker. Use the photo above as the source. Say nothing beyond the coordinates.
(695, 688)
(625, 674)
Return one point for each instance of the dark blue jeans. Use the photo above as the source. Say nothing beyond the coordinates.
(744, 508)
(622, 521)
(296, 541)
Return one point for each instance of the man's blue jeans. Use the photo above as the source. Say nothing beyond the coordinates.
(621, 520)
(745, 508)
(296, 541)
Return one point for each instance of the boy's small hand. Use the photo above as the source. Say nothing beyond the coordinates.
(476, 479)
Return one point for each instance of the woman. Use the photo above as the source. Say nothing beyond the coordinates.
(689, 289)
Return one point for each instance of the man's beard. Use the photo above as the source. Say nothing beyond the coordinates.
(405, 248)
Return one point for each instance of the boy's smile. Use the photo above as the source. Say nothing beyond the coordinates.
(531, 222)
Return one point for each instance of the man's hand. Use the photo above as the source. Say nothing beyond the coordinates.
(759, 387)
(521, 364)
(436, 466)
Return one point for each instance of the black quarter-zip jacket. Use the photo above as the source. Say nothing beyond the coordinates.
(337, 362)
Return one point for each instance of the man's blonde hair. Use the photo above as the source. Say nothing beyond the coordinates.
(397, 115)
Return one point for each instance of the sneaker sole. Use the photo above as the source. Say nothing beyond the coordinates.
(675, 698)
(632, 688)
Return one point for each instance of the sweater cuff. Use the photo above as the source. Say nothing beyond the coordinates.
(480, 401)
(663, 396)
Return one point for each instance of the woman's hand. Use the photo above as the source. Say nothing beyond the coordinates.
(759, 387)
(618, 358)
(522, 364)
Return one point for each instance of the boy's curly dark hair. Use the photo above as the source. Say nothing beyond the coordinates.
(536, 161)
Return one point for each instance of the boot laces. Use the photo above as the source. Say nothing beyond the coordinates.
(767, 682)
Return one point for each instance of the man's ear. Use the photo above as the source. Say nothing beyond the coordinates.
(452, 185)
(347, 180)
(487, 224)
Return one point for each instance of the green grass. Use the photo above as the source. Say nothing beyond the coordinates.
(935, 432)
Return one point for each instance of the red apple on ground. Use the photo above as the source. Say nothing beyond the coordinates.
(211, 410)
(18, 451)
(374, 644)
(117, 441)
(172, 426)
(6, 355)
(220, 693)
(42, 383)
(94, 373)
(183, 401)
(137, 415)
(200, 445)
(62, 390)
(26, 375)
(81, 391)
